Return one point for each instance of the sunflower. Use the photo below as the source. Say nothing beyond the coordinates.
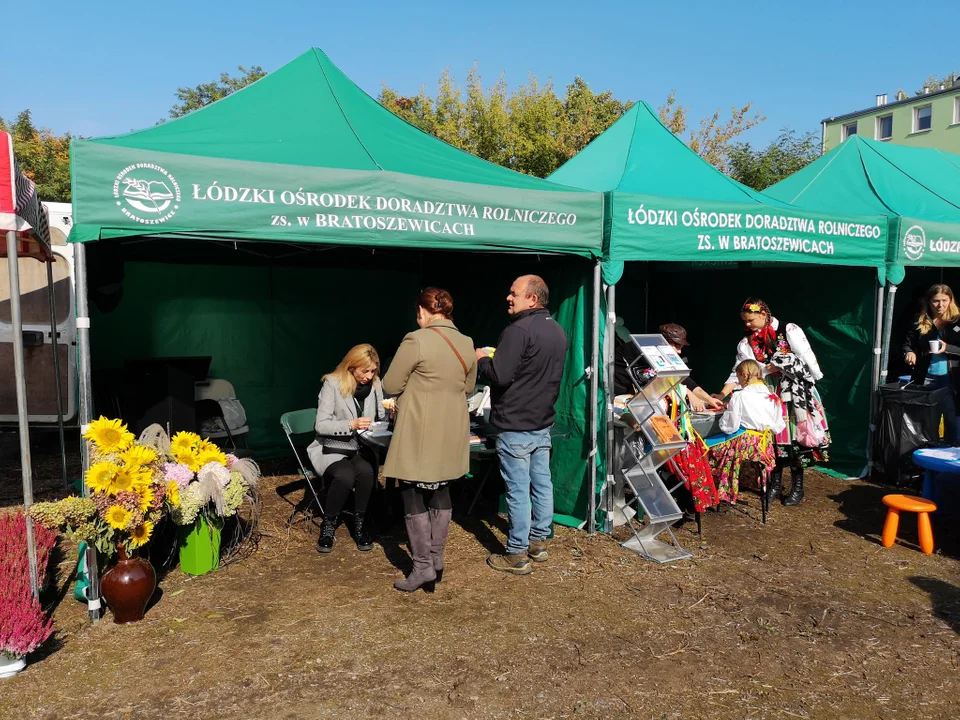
(117, 517)
(184, 442)
(141, 478)
(138, 456)
(188, 458)
(141, 533)
(122, 481)
(146, 497)
(173, 493)
(109, 436)
(209, 453)
(101, 475)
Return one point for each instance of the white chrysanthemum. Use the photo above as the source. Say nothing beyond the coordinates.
(211, 480)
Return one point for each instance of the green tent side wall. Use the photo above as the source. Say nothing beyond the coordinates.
(274, 328)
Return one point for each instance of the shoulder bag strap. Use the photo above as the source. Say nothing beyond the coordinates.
(455, 351)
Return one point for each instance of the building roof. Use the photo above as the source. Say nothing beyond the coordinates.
(955, 88)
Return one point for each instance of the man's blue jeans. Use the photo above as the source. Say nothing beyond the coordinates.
(525, 466)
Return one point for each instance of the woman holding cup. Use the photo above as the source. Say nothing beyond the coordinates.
(350, 401)
(932, 349)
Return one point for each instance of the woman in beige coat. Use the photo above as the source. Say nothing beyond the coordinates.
(434, 370)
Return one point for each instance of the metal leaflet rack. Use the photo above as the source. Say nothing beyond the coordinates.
(651, 443)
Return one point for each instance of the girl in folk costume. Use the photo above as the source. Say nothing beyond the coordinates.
(791, 370)
(759, 413)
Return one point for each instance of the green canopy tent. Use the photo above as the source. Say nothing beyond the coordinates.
(917, 189)
(665, 203)
(236, 230)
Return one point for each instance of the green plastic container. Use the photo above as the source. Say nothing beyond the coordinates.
(200, 546)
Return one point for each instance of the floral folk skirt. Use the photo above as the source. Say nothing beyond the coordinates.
(728, 458)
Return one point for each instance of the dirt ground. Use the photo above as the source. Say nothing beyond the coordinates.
(806, 617)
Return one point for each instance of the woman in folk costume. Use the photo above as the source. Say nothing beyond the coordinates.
(791, 370)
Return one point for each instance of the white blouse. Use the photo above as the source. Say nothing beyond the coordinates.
(752, 409)
(798, 344)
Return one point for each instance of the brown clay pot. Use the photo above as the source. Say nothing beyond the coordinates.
(128, 586)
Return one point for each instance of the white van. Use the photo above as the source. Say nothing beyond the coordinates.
(38, 340)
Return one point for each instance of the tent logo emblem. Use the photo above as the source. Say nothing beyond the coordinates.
(146, 193)
(914, 242)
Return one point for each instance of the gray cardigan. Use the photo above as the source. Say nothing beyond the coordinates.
(334, 415)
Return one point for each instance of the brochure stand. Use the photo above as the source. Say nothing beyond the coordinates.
(651, 443)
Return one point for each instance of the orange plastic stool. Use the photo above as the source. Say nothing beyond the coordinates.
(909, 503)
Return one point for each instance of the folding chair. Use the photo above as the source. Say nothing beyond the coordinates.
(300, 423)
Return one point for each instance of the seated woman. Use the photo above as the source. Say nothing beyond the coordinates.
(350, 400)
(756, 410)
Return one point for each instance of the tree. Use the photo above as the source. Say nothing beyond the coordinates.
(933, 82)
(195, 98)
(534, 131)
(43, 156)
(530, 130)
(714, 138)
(784, 156)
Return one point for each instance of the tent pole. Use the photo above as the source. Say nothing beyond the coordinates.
(609, 347)
(594, 392)
(875, 375)
(23, 420)
(887, 329)
(86, 408)
(56, 369)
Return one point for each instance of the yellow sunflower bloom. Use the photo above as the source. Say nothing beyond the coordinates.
(141, 478)
(138, 456)
(141, 533)
(101, 475)
(209, 453)
(117, 517)
(173, 493)
(122, 481)
(110, 436)
(146, 497)
(187, 458)
(183, 443)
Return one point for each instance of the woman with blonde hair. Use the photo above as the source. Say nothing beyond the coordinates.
(350, 400)
(932, 349)
(434, 370)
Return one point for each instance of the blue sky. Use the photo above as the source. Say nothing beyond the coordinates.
(100, 68)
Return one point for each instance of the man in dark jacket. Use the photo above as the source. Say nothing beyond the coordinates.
(525, 373)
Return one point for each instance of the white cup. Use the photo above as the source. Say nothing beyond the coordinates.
(935, 346)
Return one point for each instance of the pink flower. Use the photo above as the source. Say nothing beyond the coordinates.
(179, 473)
(231, 459)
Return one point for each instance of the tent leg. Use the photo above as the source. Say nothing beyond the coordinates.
(885, 344)
(609, 345)
(887, 329)
(23, 420)
(875, 375)
(594, 392)
(86, 408)
(56, 370)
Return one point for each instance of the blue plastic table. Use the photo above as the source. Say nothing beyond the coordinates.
(934, 460)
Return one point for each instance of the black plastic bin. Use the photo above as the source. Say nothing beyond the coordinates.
(908, 419)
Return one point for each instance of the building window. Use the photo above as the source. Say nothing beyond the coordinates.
(849, 130)
(922, 118)
(956, 110)
(885, 127)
